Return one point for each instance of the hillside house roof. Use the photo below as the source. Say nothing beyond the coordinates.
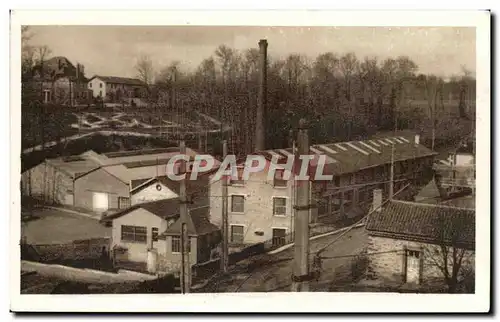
(197, 224)
(120, 80)
(59, 66)
(196, 189)
(163, 208)
(353, 156)
(426, 223)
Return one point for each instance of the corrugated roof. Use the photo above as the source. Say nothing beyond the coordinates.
(348, 157)
(426, 223)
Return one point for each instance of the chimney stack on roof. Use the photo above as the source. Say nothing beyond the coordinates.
(260, 131)
(377, 200)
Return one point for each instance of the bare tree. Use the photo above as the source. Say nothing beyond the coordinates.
(27, 53)
(464, 92)
(145, 70)
(452, 255)
(432, 86)
(348, 65)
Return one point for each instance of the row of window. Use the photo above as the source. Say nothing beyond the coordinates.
(237, 235)
(238, 205)
(139, 234)
(90, 85)
(278, 178)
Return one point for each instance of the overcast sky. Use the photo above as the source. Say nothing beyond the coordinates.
(113, 50)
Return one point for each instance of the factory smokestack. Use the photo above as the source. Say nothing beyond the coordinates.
(260, 131)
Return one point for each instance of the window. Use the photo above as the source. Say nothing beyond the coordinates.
(90, 85)
(413, 253)
(237, 203)
(279, 206)
(123, 202)
(100, 93)
(278, 178)
(279, 236)
(100, 85)
(239, 181)
(134, 234)
(237, 234)
(176, 244)
(154, 234)
(336, 181)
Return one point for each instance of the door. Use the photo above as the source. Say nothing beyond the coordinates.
(279, 235)
(413, 266)
(100, 201)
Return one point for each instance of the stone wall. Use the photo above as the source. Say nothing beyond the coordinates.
(387, 262)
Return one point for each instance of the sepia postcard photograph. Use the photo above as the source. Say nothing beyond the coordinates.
(259, 161)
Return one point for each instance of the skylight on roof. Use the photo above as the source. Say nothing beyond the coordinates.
(369, 147)
(340, 147)
(404, 139)
(285, 152)
(357, 148)
(327, 149)
(374, 143)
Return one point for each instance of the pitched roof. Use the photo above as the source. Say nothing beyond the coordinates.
(60, 66)
(425, 223)
(120, 80)
(348, 157)
(163, 208)
(139, 184)
(197, 224)
(197, 189)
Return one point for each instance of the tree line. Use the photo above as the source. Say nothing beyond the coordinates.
(343, 96)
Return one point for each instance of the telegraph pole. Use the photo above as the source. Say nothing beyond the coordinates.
(301, 275)
(225, 224)
(185, 267)
(391, 179)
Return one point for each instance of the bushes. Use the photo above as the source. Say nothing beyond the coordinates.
(359, 265)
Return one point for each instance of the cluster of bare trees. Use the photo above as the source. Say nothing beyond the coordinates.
(345, 97)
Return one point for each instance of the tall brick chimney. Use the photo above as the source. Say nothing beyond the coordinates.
(260, 131)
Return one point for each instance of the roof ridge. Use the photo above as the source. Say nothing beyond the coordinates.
(414, 203)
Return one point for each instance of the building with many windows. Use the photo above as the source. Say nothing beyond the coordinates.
(261, 209)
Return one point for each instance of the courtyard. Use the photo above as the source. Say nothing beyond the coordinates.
(50, 226)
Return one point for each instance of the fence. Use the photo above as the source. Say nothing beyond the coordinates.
(94, 248)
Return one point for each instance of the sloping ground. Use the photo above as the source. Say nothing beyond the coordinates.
(269, 273)
(33, 283)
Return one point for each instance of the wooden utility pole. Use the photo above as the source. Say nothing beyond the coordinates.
(294, 188)
(391, 179)
(301, 275)
(225, 219)
(186, 266)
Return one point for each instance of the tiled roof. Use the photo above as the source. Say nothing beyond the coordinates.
(120, 80)
(425, 223)
(197, 224)
(348, 157)
(163, 208)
